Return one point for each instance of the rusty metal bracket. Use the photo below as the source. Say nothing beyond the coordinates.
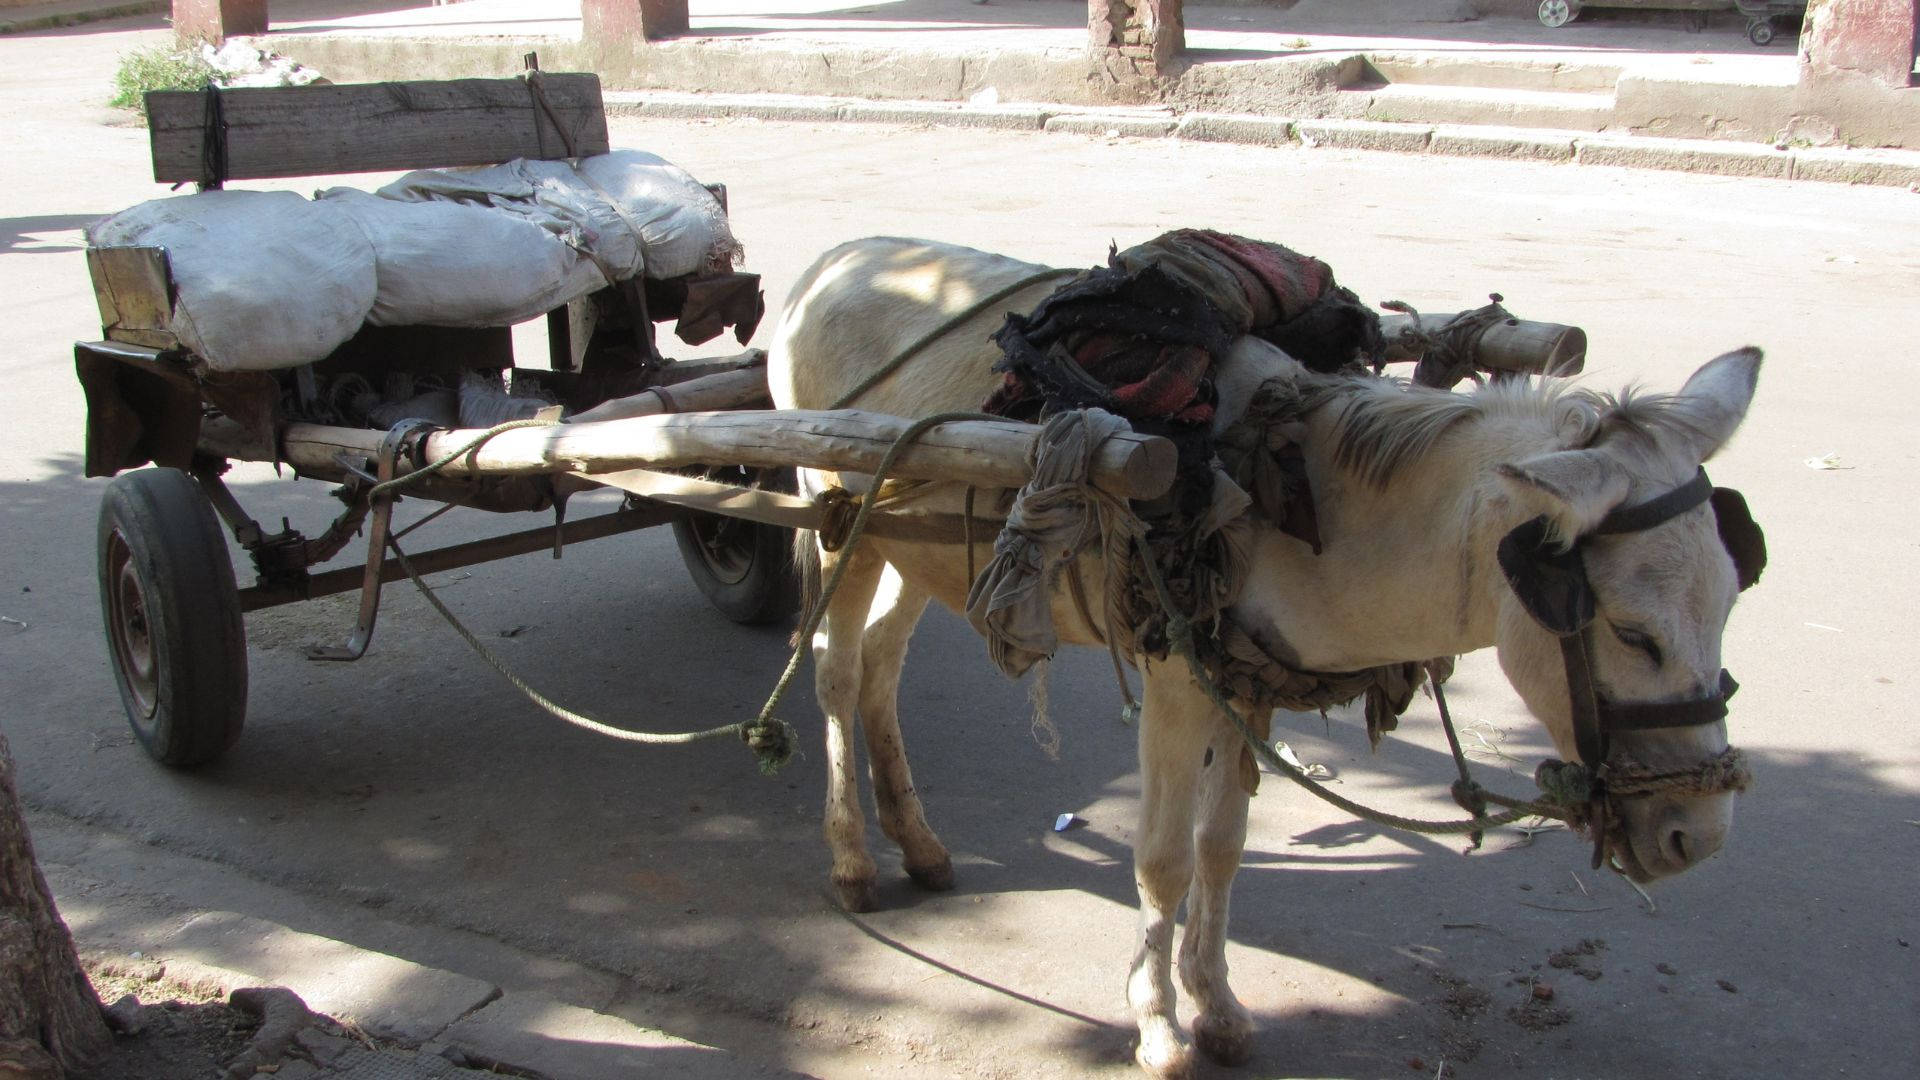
(377, 532)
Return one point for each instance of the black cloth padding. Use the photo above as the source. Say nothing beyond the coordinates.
(1552, 584)
(1741, 534)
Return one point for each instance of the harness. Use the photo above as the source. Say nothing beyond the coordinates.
(1551, 583)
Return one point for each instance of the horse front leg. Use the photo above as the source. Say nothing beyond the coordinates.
(837, 672)
(1175, 730)
(883, 653)
(1223, 1030)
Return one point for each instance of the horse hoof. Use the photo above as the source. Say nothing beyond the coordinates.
(1167, 1061)
(1223, 1041)
(935, 878)
(855, 895)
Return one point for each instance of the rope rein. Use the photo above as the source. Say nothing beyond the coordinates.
(1568, 788)
(770, 739)
(804, 639)
(771, 742)
(576, 719)
(1180, 637)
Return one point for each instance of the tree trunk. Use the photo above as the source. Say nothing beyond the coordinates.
(50, 1019)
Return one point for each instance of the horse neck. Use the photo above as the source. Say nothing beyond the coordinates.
(1407, 570)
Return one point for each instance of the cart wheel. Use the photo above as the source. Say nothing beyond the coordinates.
(1761, 33)
(172, 616)
(1558, 13)
(744, 568)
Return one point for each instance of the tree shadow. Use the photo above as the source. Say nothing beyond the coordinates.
(413, 786)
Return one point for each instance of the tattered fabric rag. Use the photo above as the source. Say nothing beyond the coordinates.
(1056, 516)
(1140, 338)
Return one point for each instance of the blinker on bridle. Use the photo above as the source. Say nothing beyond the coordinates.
(1552, 585)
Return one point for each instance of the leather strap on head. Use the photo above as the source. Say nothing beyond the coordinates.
(1588, 737)
(1642, 516)
(1672, 714)
(1551, 583)
(1594, 718)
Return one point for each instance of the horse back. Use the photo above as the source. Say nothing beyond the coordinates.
(864, 303)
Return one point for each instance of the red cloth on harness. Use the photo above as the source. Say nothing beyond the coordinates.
(1140, 336)
(1147, 380)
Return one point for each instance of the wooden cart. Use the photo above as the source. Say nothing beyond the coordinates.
(688, 441)
(665, 431)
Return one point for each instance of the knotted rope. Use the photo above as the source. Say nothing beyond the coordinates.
(1057, 514)
(804, 639)
(1447, 352)
(772, 741)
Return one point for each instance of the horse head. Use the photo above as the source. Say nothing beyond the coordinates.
(1621, 566)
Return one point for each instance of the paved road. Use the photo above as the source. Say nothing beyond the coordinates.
(408, 798)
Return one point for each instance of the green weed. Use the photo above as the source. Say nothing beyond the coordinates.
(158, 68)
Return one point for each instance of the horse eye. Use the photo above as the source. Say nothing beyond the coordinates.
(1635, 639)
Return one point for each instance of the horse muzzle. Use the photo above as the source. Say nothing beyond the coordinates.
(1647, 823)
(1657, 836)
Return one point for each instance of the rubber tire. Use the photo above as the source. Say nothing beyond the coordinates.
(761, 587)
(1761, 33)
(161, 548)
(1571, 8)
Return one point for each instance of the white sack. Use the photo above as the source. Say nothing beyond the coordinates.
(264, 279)
(681, 227)
(460, 264)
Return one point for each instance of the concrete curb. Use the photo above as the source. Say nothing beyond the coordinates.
(1891, 168)
(440, 1017)
(386, 995)
(51, 20)
(446, 1015)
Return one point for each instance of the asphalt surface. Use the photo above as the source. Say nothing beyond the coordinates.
(410, 806)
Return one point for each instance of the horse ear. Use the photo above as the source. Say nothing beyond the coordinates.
(1715, 400)
(1575, 488)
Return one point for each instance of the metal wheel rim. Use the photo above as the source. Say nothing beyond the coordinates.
(726, 547)
(129, 629)
(1556, 13)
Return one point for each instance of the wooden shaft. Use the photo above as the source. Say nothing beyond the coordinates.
(1520, 345)
(721, 390)
(984, 453)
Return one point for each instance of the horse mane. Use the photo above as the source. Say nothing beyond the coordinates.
(1385, 424)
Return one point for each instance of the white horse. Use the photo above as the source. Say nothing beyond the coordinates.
(1415, 491)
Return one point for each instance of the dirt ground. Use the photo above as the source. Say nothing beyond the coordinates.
(186, 1031)
(410, 805)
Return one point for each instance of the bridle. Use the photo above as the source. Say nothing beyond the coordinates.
(1551, 583)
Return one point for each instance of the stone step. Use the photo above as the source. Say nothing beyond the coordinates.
(1426, 104)
(1494, 71)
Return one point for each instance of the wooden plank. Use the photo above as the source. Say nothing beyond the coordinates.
(984, 453)
(371, 127)
(134, 288)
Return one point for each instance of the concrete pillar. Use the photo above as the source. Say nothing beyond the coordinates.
(1134, 39)
(1850, 40)
(217, 20)
(611, 22)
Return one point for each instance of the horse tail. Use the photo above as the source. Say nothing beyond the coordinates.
(806, 569)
